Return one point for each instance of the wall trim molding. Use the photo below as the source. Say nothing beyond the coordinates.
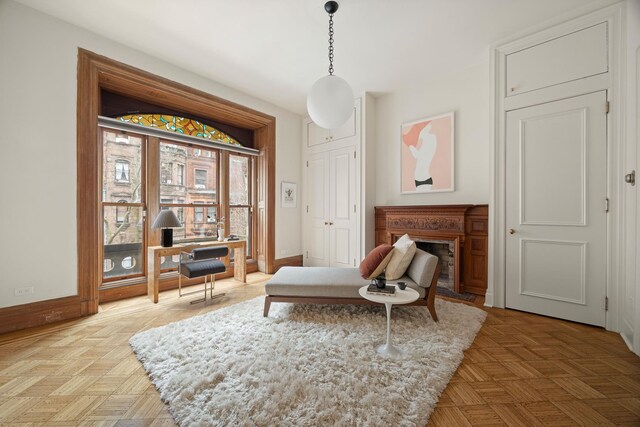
(615, 139)
(42, 312)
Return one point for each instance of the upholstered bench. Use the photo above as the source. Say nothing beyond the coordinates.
(326, 285)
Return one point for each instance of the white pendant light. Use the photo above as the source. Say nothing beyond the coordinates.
(330, 100)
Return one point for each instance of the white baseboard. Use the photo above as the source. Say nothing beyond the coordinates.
(488, 299)
(626, 341)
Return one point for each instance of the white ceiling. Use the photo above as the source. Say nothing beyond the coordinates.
(276, 49)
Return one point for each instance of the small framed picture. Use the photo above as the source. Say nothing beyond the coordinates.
(427, 155)
(289, 194)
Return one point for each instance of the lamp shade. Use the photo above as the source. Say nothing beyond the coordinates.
(166, 219)
(330, 102)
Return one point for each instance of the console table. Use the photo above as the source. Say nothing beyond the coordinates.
(155, 253)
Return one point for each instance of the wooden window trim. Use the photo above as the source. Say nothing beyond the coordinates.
(96, 72)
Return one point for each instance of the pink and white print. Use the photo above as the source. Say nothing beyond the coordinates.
(427, 155)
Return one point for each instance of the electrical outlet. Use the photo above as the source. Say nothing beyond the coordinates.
(284, 251)
(27, 290)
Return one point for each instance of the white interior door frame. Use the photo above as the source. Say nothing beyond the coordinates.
(612, 82)
(636, 342)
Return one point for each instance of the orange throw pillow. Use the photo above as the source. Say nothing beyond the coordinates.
(374, 263)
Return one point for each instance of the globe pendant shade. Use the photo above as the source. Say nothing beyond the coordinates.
(330, 102)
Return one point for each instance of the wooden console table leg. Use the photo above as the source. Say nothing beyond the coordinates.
(240, 263)
(153, 276)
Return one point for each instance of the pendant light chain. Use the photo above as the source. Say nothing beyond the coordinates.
(331, 44)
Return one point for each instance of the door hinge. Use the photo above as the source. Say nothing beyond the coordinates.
(607, 107)
(307, 163)
(354, 262)
(606, 303)
(354, 154)
(354, 207)
(307, 254)
(307, 208)
(606, 204)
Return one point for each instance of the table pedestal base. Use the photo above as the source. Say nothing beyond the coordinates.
(388, 350)
(404, 296)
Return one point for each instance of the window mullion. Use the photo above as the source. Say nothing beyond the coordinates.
(224, 181)
(153, 189)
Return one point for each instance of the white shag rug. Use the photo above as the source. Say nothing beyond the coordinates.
(306, 365)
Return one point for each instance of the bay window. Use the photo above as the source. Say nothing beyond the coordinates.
(209, 189)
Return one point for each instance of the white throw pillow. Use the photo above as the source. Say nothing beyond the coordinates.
(402, 255)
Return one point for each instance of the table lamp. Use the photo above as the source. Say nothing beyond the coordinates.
(166, 219)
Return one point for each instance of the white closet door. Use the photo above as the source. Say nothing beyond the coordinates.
(342, 207)
(556, 182)
(318, 203)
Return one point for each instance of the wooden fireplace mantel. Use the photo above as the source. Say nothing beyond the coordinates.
(465, 225)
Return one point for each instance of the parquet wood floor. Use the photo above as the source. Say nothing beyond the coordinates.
(522, 370)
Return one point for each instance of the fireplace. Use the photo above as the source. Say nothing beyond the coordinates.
(445, 251)
(456, 234)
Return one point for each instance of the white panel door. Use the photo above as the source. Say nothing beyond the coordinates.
(556, 186)
(317, 237)
(342, 207)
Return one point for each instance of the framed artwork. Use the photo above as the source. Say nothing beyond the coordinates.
(289, 194)
(427, 155)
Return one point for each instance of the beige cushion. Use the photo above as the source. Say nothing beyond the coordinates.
(422, 268)
(375, 262)
(328, 282)
(403, 252)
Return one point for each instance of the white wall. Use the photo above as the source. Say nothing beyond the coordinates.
(466, 93)
(38, 148)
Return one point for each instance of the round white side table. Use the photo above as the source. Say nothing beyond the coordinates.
(401, 297)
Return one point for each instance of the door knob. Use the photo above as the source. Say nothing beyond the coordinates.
(512, 231)
(630, 178)
(326, 223)
(330, 223)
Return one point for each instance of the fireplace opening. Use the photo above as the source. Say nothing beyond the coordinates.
(444, 250)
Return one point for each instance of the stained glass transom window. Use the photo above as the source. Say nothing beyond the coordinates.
(183, 125)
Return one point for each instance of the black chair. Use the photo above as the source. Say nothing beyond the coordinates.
(202, 262)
